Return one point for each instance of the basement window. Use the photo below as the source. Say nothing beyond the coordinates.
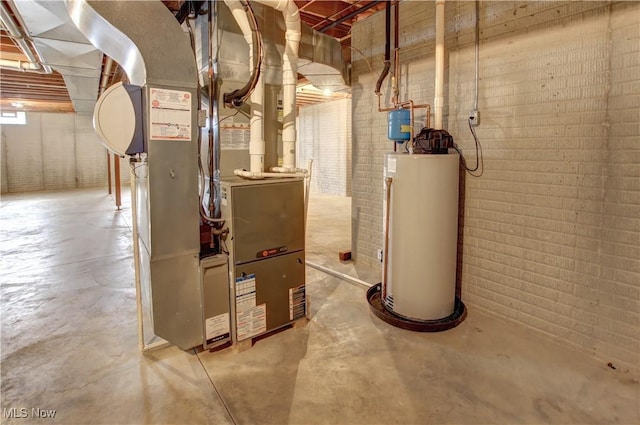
(13, 117)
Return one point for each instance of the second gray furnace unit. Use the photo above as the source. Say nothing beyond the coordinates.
(266, 254)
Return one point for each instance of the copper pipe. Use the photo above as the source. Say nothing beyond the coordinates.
(395, 82)
(411, 122)
(395, 79)
(385, 253)
(411, 107)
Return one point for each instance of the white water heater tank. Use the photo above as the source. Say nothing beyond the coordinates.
(423, 235)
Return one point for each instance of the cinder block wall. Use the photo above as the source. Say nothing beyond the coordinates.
(552, 228)
(54, 151)
(324, 135)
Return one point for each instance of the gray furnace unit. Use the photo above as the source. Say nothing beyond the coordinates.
(266, 253)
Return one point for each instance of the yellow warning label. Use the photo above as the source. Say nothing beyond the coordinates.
(404, 128)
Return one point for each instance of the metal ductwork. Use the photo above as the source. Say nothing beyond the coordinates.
(321, 61)
(143, 37)
(320, 57)
(34, 63)
(64, 49)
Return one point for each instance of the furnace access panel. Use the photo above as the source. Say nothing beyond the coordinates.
(266, 253)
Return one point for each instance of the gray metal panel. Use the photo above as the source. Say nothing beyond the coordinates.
(173, 193)
(144, 268)
(233, 159)
(177, 300)
(215, 293)
(266, 215)
(274, 277)
(272, 126)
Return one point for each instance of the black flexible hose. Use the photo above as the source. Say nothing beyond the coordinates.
(387, 48)
(387, 29)
(237, 97)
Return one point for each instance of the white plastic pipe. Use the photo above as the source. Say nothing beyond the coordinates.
(240, 15)
(338, 274)
(438, 101)
(289, 78)
(262, 175)
(19, 65)
(289, 170)
(256, 136)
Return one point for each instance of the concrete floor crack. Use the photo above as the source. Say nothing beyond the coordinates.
(216, 389)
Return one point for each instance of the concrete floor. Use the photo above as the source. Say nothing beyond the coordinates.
(69, 344)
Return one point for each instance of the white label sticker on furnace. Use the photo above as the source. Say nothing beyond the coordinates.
(251, 322)
(169, 114)
(297, 302)
(391, 165)
(217, 325)
(245, 292)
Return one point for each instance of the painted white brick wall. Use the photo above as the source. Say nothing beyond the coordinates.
(54, 151)
(324, 135)
(552, 228)
(58, 151)
(91, 170)
(22, 145)
(4, 186)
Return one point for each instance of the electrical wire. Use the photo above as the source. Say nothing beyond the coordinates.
(231, 116)
(201, 175)
(479, 156)
(203, 213)
(135, 167)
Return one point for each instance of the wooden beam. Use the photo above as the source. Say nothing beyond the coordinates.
(36, 105)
